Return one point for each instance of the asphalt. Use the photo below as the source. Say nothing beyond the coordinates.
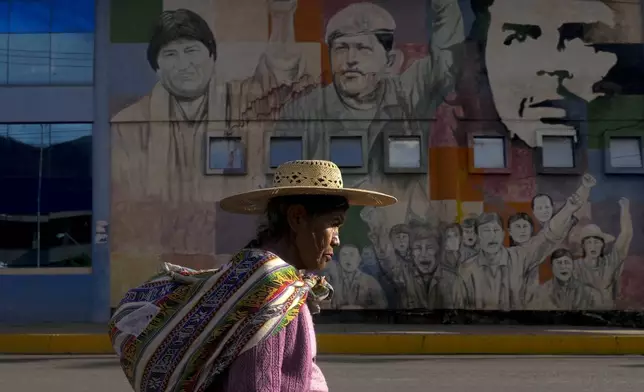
(365, 373)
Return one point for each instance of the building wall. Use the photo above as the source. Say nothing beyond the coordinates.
(530, 75)
(54, 100)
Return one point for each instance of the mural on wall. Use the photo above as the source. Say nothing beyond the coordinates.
(446, 69)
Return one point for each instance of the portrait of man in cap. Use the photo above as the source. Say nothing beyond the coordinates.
(368, 95)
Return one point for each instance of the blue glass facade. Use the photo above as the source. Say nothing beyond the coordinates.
(51, 270)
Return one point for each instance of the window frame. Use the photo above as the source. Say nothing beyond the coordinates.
(282, 134)
(364, 169)
(45, 218)
(234, 134)
(625, 134)
(578, 156)
(506, 148)
(421, 136)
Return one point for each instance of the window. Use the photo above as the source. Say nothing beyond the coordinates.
(624, 152)
(226, 153)
(404, 153)
(46, 42)
(488, 153)
(348, 150)
(558, 152)
(283, 146)
(46, 217)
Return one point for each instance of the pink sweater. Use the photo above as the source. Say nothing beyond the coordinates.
(282, 363)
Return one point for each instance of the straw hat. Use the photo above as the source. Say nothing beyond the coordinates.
(593, 230)
(304, 177)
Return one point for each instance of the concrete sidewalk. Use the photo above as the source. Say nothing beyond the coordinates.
(381, 339)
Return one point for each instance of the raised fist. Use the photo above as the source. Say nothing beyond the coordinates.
(624, 203)
(588, 181)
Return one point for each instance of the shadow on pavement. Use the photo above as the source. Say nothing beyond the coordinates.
(94, 365)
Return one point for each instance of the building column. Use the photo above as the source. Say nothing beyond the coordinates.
(101, 164)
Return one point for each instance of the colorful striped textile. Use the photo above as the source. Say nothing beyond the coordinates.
(183, 327)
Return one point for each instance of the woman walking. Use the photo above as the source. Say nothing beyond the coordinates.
(247, 326)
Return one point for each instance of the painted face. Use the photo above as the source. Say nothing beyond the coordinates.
(368, 253)
(349, 258)
(540, 62)
(185, 68)
(469, 236)
(400, 241)
(562, 268)
(520, 231)
(453, 240)
(424, 254)
(542, 209)
(358, 63)
(316, 238)
(491, 237)
(593, 246)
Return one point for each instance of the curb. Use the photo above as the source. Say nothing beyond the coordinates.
(375, 344)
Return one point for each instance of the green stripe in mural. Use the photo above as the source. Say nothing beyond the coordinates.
(132, 21)
(354, 231)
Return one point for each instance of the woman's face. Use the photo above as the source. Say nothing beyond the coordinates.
(315, 237)
(593, 247)
(542, 209)
(520, 231)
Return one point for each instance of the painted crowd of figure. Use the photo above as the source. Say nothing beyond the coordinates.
(467, 266)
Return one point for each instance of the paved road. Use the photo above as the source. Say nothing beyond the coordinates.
(372, 374)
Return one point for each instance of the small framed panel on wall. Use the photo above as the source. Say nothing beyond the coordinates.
(405, 152)
(559, 152)
(283, 146)
(489, 153)
(624, 152)
(226, 152)
(348, 150)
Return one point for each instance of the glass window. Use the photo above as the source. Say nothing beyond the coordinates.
(489, 152)
(346, 151)
(4, 57)
(284, 149)
(226, 153)
(29, 16)
(70, 140)
(625, 152)
(72, 58)
(29, 58)
(558, 151)
(72, 16)
(46, 221)
(48, 42)
(404, 152)
(4, 16)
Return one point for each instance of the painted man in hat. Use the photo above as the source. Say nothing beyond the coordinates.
(602, 269)
(368, 96)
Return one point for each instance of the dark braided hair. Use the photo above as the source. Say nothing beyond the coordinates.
(276, 224)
